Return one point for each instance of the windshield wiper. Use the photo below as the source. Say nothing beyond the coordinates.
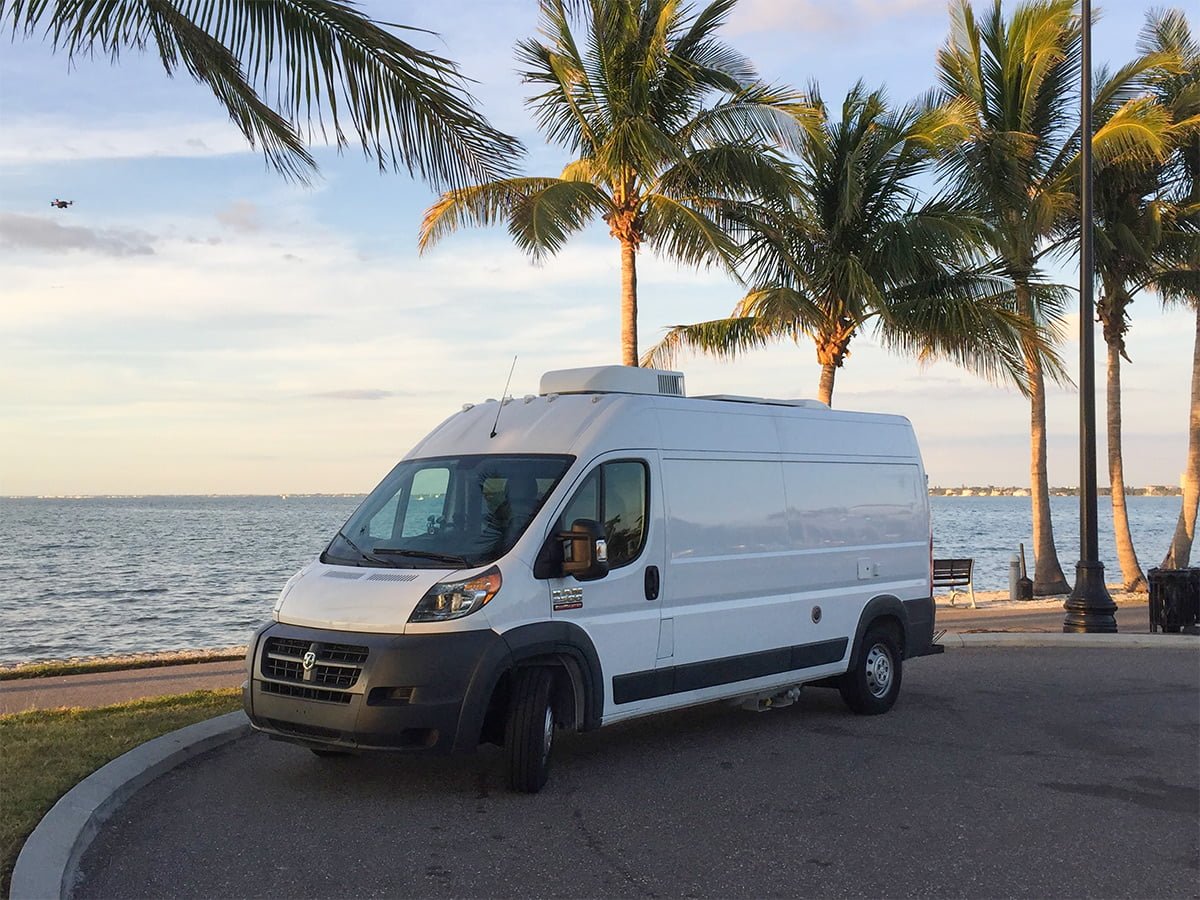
(423, 554)
(359, 550)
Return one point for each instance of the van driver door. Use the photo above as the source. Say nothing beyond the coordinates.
(620, 612)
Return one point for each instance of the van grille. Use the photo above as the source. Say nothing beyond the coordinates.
(335, 666)
(305, 693)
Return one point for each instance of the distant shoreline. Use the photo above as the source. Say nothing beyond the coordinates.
(1151, 490)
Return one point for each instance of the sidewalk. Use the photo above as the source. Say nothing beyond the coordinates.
(121, 686)
(1045, 614)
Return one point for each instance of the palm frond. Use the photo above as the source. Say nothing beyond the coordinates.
(527, 204)
(540, 221)
(721, 338)
(764, 114)
(686, 234)
(313, 58)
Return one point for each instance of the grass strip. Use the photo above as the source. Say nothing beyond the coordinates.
(115, 663)
(48, 752)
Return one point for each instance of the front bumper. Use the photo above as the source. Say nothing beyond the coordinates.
(372, 691)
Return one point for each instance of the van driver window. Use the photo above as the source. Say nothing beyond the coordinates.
(614, 494)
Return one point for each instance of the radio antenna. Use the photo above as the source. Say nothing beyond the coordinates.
(503, 394)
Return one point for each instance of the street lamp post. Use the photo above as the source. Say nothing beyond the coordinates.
(1089, 608)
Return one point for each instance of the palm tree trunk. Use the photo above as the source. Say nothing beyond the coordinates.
(1185, 530)
(833, 345)
(629, 344)
(825, 389)
(1047, 573)
(1131, 570)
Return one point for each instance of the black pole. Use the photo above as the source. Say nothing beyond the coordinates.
(1089, 608)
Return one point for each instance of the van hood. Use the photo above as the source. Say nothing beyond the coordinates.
(347, 598)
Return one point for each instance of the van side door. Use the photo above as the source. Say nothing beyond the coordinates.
(619, 612)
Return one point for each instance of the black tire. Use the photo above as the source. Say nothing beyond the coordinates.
(529, 731)
(873, 683)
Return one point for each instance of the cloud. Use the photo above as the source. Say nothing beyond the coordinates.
(40, 233)
(45, 139)
(240, 215)
(357, 394)
(753, 16)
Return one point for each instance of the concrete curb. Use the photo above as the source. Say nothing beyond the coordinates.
(994, 639)
(49, 860)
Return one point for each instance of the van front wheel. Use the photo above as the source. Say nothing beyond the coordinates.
(872, 685)
(529, 732)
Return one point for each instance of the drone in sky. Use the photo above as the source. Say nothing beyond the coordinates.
(61, 204)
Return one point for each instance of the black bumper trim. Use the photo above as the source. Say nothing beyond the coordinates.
(448, 679)
(921, 614)
(727, 670)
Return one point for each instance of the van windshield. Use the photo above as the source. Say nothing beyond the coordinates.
(447, 512)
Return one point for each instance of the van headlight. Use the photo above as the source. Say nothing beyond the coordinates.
(455, 599)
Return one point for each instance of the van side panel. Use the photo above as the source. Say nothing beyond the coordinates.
(851, 435)
(777, 540)
(738, 581)
(851, 511)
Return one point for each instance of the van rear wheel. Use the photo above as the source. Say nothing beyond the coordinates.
(529, 732)
(873, 683)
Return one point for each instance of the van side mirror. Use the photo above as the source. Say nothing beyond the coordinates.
(585, 550)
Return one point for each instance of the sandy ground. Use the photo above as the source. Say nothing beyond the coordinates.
(999, 600)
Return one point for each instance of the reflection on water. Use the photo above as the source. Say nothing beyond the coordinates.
(102, 576)
(990, 529)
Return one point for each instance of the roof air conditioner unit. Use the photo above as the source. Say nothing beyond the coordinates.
(613, 380)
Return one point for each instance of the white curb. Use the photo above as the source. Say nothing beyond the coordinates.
(48, 862)
(956, 641)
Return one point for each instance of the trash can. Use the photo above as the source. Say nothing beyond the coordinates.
(1174, 600)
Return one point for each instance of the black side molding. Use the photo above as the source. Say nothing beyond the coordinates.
(727, 670)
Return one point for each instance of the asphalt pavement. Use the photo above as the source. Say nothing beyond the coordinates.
(103, 688)
(1015, 772)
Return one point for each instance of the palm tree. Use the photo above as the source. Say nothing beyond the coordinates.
(1178, 88)
(1130, 214)
(852, 250)
(1018, 171)
(278, 65)
(625, 85)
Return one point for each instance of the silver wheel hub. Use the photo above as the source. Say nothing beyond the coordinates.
(879, 670)
(547, 733)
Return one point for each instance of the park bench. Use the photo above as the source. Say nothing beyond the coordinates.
(954, 573)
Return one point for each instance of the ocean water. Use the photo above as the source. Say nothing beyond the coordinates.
(83, 577)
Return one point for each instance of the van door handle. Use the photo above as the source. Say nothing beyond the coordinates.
(651, 582)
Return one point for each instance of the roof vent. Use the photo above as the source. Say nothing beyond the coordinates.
(613, 380)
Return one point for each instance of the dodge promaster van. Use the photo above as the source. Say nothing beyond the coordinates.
(606, 549)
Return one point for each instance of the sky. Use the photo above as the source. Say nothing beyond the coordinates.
(197, 324)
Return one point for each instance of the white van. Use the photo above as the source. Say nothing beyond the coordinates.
(607, 549)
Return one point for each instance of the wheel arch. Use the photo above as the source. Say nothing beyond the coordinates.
(560, 645)
(883, 608)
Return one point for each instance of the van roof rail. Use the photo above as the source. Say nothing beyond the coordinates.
(767, 401)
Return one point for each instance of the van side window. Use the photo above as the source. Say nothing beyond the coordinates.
(585, 504)
(624, 511)
(614, 494)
